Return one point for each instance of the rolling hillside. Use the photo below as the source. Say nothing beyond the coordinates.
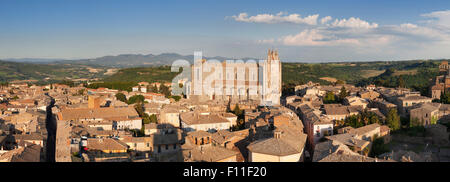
(415, 74)
(412, 74)
(10, 71)
(138, 60)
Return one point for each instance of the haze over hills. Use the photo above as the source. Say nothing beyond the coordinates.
(117, 73)
(32, 60)
(138, 60)
(150, 60)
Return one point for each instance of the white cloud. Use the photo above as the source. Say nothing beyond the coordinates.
(325, 19)
(315, 37)
(278, 18)
(408, 26)
(267, 41)
(439, 17)
(423, 32)
(354, 23)
(429, 38)
(283, 17)
(439, 20)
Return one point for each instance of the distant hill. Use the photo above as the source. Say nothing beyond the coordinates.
(33, 60)
(123, 71)
(416, 74)
(10, 71)
(138, 60)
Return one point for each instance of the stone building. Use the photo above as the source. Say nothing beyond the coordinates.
(369, 94)
(335, 151)
(428, 114)
(286, 145)
(206, 121)
(442, 82)
(199, 147)
(237, 81)
(122, 118)
(316, 125)
(443, 67)
(406, 103)
(339, 112)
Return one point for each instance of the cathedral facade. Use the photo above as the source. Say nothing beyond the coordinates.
(237, 80)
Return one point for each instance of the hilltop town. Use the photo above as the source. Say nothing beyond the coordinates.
(316, 123)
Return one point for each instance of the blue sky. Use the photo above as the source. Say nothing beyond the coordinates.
(355, 30)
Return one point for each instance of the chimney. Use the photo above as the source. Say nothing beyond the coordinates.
(277, 134)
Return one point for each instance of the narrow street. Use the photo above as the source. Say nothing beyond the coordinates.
(50, 124)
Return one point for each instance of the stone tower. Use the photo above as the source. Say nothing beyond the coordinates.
(272, 79)
(94, 102)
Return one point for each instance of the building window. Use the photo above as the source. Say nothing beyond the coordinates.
(167, 147)
(174, 146)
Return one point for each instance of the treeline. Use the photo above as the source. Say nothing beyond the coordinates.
(123, 86)
(419, 81)
(300, 73)
(143, 74)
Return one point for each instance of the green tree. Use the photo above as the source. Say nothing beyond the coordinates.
(374, 119)
(120, 96)
(393, 119)
(136, 99)
(146, 119)
(445, 97)
(153, 119)
(240, 124)
(343, 94)
(154, 89)
(142, 132)
(164, 90)
(81, 91)
(401, 82)
(378, 147)
(329, 98)
(175, 97)
(237, 111)
(340, 82)
(69, 83)
(139, 109)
